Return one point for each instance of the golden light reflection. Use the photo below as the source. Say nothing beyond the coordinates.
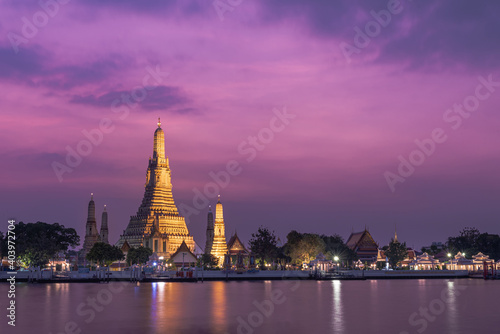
(219, 306)
(338, 325)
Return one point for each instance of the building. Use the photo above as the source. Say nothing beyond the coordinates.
(459, 262)
(237, 251)
(184, 257)
(236, 247)
(104, 227)
(210, 231)
(91, 232)
(157, 223)
(424, 262)
(219, 245)
(364, 246)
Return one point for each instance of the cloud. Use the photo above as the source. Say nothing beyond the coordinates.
(441, 35)
(160, 98)
(34, 66)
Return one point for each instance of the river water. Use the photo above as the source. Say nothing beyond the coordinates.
(372, 306)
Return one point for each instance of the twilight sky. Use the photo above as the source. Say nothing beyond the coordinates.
(360, 81)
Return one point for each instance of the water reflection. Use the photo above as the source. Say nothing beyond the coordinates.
(449, 297)
(338, 325)
(219, 307)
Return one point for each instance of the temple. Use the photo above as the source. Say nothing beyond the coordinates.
(104, 226)
(364, 246)
(91, 232)
(218, 246)
(157, 224)
(210, 231)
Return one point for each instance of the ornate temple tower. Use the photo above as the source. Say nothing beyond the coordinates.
(219, 246)
(210, 231)
(91, 235)
(104, 226)
(157, 224)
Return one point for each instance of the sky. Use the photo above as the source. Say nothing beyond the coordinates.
(340, 115)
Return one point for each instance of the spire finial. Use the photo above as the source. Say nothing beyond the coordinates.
(395, 233)
(104, 207)
(159, 123)
(218, 201)
(91, 196)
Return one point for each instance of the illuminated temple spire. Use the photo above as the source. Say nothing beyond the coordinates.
(219, 212)
(219, 245)
(157, 224)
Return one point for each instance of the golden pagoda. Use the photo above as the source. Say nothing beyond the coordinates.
(219, 246)
(157, 224)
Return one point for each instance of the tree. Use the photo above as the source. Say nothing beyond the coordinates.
(138, 255)
(208, 261)
(3, 245)
(335, 246)
(396, 252)
(466, 242)
(303, 247)
(104, 254)
(264, 245)
(37, 243)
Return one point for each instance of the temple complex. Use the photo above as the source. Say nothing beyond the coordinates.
(157, 223)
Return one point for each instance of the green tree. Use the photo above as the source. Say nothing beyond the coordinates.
(263, 245)
(335, 246)
(489, 244)
(3, 245)
(303, 247)
(138, 255)
(38, 243)
(396, 252)
(208, 261)
(104, 254)
(466, 242)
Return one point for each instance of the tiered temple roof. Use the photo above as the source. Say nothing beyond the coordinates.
(363, 244)
(157, 224)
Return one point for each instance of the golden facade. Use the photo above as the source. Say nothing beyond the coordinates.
(158, 224)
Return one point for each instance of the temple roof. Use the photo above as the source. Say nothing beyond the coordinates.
(361, 238)
(235, 244)
(125, 247)
(183, 248)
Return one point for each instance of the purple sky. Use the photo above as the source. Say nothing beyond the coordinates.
(230, 69)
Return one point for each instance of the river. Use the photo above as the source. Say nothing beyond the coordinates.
(371, 306)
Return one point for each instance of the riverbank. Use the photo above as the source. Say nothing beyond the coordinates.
(195, 276)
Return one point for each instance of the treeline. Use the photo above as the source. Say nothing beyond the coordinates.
(470, 241)
(299, 248)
